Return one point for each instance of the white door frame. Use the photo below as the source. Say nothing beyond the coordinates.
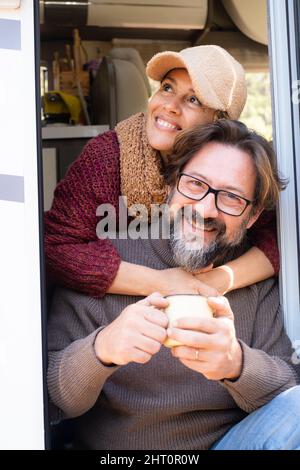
(22, 422)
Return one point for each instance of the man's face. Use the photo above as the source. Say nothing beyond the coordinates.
(205, 232)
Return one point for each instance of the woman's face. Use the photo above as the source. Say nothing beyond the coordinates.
(173, 108)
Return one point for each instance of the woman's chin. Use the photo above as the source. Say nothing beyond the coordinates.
(161, 143)
(163, 146)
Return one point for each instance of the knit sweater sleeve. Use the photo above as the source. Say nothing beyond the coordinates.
(75, 257)
(75, 375)
(268, 368)
(263, 235)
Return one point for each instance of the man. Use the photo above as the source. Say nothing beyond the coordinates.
(107, 365)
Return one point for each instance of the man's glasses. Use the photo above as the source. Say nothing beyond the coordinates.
(226, 202)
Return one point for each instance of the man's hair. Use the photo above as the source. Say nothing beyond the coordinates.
(235, 134)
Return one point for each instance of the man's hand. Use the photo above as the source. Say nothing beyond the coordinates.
(135, 335)
(210, 344)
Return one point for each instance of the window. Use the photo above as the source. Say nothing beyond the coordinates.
(258, 110)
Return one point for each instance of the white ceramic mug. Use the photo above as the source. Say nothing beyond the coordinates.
(185, 305)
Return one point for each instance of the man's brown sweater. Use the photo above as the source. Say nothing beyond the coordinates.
(162, 404)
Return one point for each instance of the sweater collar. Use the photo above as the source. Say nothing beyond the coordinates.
(142, 181)
(158, 245)
(163, 251)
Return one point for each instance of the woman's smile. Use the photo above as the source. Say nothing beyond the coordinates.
(166, 124)
(174, 107)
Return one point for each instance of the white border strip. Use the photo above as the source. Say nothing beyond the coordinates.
(10, 34)
(11, 188)
(284, 138)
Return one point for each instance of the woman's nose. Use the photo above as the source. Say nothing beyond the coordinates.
(172, 105)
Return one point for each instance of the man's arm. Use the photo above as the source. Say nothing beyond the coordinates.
(75, 375)
(84, 352)
(267, 368)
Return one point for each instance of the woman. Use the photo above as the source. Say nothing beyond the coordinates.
(198, 86)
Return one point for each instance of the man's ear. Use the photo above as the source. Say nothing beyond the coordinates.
(254, 217)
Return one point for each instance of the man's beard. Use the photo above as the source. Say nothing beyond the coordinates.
(192, 254)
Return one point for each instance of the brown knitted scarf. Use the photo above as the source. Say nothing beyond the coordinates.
(140, 164)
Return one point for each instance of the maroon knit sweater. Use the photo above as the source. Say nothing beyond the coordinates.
(75, 257)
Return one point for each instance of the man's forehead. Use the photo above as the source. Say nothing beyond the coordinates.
(223, 166)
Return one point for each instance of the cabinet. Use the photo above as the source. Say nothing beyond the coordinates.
(61, 146)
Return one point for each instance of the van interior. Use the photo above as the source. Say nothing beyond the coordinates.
(93, 57)
(92, 70)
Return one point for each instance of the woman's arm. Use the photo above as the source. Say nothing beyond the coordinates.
(263, 235)
(75, 257)
(253, 266)
(257, 264)
(133, 279)
(87, 267)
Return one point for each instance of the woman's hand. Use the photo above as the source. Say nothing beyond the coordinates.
(134, 279)
(135, 335)
(179, 281)
(221, 279)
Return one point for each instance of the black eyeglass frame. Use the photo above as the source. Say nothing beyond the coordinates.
(215, 192)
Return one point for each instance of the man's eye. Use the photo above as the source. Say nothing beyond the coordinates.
(196, 183)
(234, 198)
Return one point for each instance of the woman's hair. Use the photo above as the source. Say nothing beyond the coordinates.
(220, 115)
(234, 134)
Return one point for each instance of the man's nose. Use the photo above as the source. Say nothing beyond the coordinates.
(207, 207)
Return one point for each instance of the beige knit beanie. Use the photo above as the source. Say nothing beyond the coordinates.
(218, 79)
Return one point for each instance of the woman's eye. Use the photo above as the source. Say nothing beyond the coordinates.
(166, 87)
(194, 100)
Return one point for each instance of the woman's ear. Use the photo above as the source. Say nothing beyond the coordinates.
(254, 218)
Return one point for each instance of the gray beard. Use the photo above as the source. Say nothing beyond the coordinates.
(193, 259)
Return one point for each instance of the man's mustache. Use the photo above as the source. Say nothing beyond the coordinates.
(193, 216)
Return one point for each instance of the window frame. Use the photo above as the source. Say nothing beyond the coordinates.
(284, 71)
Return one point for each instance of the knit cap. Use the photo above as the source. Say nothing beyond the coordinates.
(218, 79)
